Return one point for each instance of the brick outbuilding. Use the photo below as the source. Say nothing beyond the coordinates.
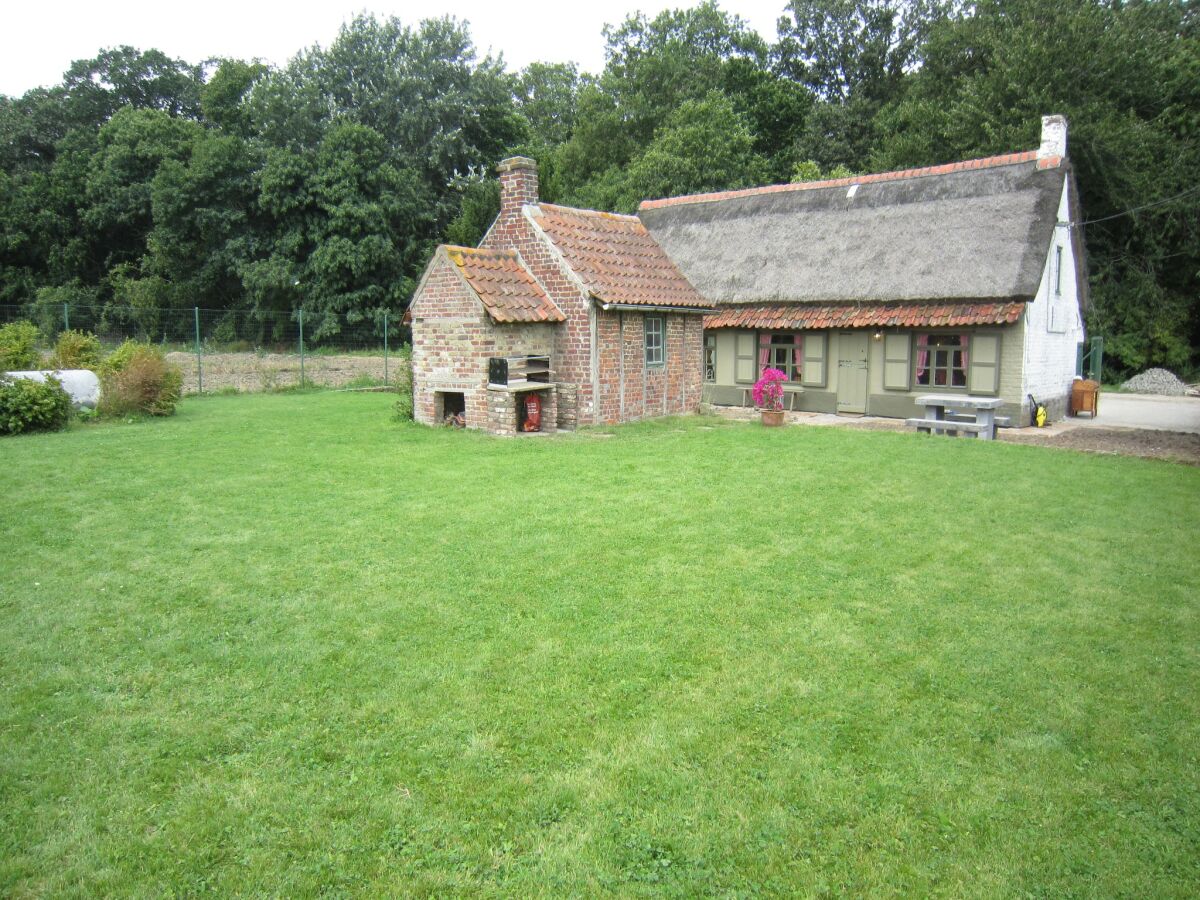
(593, 292)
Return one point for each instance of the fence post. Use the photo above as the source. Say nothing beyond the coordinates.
(199, 361)
(66, 319)
(301, 346)
(385, 347)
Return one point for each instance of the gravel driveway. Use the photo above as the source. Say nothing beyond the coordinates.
(1148, 411)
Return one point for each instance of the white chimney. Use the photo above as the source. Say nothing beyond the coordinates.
(1054, 139)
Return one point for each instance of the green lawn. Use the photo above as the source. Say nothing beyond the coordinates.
(282, 644)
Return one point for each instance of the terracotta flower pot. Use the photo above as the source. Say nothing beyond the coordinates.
(772, 418)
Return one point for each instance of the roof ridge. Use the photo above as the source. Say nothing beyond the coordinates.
(597, 213)
(457, 248)
(987, 162)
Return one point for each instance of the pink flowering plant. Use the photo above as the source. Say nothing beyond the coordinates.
(768, 390)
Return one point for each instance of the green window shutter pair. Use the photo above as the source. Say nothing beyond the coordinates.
(812, 374)
(745, 358)
(983, 370)
(897, 368)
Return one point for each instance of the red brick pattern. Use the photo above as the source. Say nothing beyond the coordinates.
(628, 388)
(507, 290)
(799, 316)
(1007, 159)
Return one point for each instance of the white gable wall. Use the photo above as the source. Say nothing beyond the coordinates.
(1054, 324)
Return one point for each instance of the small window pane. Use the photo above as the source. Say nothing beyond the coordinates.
(654, 340)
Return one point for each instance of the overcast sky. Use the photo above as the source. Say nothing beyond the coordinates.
(38, 40)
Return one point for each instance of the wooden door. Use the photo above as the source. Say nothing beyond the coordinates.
(852, 372)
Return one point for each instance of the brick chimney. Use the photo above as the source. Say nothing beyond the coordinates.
(1054, 142)
(518, 184)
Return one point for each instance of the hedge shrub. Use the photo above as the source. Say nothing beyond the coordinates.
(27, 405)
(77, 350)
(18, 347)
(136, 378)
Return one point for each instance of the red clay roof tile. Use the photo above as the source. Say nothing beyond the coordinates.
(507, 290)
(802, 316)
(615, 256)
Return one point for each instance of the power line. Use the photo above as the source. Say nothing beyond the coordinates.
(1135, 209)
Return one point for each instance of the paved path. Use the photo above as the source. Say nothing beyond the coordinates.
(1147, 411)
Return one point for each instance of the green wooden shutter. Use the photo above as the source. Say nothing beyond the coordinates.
(813, 373)
(896, 367)
(983, 375)
(745, 353)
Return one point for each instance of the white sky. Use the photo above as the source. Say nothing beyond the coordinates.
(38, 40)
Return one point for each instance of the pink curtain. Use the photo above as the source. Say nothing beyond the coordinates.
(797, 355)
(764, 350)
(965, 340)
(922, 355)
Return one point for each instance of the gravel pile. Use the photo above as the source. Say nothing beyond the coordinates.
(1156, 381)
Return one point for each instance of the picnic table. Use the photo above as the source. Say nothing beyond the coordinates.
(967, 414)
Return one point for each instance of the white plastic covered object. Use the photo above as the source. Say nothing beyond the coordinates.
(82, 386)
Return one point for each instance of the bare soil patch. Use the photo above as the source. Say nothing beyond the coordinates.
(269, 371)
(1172, 445)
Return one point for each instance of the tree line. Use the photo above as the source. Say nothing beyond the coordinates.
(143, 182)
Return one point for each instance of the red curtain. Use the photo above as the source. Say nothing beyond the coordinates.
(965, 340)
(764, 350)
(922, 355)
(797, 355)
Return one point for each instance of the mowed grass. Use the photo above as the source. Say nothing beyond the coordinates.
(284, 645)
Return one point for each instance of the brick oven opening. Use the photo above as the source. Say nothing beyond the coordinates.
(450, 408)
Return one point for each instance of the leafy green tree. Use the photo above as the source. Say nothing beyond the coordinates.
(223, 96)
(703, 146)
(854, 55)
(128, 78)
(656, 66)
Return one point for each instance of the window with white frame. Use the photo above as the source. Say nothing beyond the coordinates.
(655, 357)
(710, 357)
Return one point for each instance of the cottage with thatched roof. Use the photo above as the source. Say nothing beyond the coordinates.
(867, 291)
(872, 290)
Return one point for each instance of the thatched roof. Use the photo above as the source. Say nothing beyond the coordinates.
(978, 230)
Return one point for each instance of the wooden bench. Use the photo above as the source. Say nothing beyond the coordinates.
(949, 427)
(790, 393)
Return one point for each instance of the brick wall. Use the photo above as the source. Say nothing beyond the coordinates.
(630, 390)
(453, 338)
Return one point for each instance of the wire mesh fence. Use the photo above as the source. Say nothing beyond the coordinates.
(222, 350)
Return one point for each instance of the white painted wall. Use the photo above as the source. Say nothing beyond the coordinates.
(1054, 323)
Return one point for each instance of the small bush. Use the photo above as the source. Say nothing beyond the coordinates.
(402, 411)
(137, 378)
(18, 347)
(27, 405)
(77, 350)
(119, 358)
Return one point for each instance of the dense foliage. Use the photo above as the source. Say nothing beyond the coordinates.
(27, 405)
(137, 379)
(18, 347)
(142, 183)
